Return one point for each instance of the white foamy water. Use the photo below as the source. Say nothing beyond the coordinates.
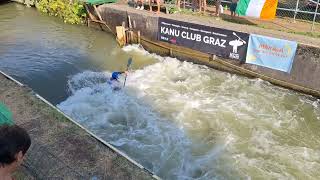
(186, 121)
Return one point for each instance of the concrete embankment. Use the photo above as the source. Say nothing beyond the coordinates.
(303, 77)
(60, 148)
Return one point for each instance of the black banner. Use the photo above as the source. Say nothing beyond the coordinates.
(220, 42)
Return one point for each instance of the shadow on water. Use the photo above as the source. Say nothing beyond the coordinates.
(49, 67)
(3, 2)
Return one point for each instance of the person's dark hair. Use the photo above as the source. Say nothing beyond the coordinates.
(13, 139)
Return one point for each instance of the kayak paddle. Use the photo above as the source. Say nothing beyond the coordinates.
(128, 65)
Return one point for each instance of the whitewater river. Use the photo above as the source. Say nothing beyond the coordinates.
(178, 119)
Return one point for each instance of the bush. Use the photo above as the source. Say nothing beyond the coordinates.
(70, 12)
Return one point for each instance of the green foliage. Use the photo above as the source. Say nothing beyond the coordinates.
(187, 11)
(70, 12)
(173, 9)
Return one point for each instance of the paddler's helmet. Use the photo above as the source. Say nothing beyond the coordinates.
(115, 75)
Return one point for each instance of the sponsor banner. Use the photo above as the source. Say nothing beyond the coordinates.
(220, 42)
(271, 52)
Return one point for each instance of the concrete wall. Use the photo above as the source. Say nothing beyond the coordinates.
(304, 76)
(148, 25)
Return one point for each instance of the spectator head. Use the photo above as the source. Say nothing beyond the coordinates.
(14, 143)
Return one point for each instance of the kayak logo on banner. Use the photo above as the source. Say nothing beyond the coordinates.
(173, 40)
(211, 40)
(235, 44)
(271, 52)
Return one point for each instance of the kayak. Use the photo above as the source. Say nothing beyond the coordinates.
(115, 85)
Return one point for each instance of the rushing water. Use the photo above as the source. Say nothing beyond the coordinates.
(178, 119)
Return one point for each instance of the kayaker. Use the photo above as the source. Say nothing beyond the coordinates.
(114, 79)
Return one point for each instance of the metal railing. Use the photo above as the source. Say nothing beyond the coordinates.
(299, 10)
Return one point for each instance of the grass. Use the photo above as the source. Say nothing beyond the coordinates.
(310, 34)
(238, 20)
(307, 33)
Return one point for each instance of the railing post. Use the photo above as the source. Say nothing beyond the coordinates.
(296, 11)
(139, 37)
(315, 16)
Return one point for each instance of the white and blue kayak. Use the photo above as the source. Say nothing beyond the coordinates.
(115, 85)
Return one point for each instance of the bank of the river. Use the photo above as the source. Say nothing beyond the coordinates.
(72, 12)
(61, 149)
(303, 76)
